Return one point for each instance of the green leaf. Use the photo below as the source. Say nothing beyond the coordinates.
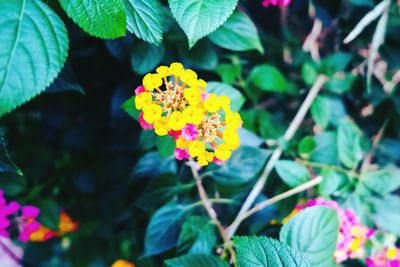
(386, 213)
(146, 57)
(199, 18)
(197, 236)
(335, 63)
(165, 145)
(144, 19)
(313, 232)
(152, 165)
(369, 3)
(307, 146)
(292, 173)
(237, 99)
(332, 181)
(349, 143)
(103, 19)
(163, 230)
(228, 72)
(238, 33)
(6, 163)
(196, 260)
(326, 150)
(327, 109)
(49, 213)
(266, 252)
(202, 55)
(341, 84)
(309, 73)
(129, 107)
(268, 78)
(33, 50)
(241, 167)
(382, 181)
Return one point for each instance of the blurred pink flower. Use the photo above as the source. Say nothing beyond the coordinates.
(390, 257)
(143, 123)
(190, 132)
(280, 3)
(181, 154)
(139, 89)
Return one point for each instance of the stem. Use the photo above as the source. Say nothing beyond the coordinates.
(205, 201)
(323, 166)
(281, 196)
(294, 125)
(10, 253)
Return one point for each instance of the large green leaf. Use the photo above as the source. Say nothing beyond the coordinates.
(197, 235)
(196, 260)
(163, 230)
(268, 78)
(238, 33)
(349, 143)
(199, 18)
(146, 57)
(314, 232)
(382, 181)
(292, 173)
(144, 18)
(103, 19)
(266, 252)
(33, 49)
(237, 99)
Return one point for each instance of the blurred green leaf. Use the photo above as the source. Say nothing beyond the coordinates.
(228, 72)
(103, 19)
(341, 84)
(348, 143)
(263, 251)
(313, 232)
(237, 99)
(163, 230)
(332, 181)
(386, 213)
(202, 55)
(198, 18)
(197, 236)
(238, 33)
(151, 165)
(326, 150)
(147, 139)
(145, 20)
(49, 213)
(369, 3)
(383, 181)
(292, 173)
(306, 147)
(309, 73)
(268, 78)
(335, 62)
(129, 107)
(196, 260)
(146, 57)
(31, 55)
(327, 109)
(243, 165)
(165, 145)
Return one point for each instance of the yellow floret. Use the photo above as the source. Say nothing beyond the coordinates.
(201, 83)
(212, 103)
(152, 113)
(192, 95)
(233, 120)
(161, 126)
(176, 121)
(152, 81)
(225, 102)
(391, 253)
(176, 69)
(142, 100)
(231, 138)
(189, 77)
(196, 148)
(164, 71)
(182, 143)
(223, 152)
(193, 115)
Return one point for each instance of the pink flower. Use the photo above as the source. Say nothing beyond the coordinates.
(139, 89)
(218, 161)
(174, 134)
(28, 222)
(181, 154)
(30, 211)
(280, 3)
(190, 132)
(389, 257)
(143, 123)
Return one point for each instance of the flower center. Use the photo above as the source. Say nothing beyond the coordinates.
(172, 98)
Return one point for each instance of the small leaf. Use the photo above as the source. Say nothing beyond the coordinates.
(6, 163)
(199, 18)
(129, 107)
(197, 236)
(103, 19)
(313, 232)
(268, 78)
(307, 146)
(382, 181)
(292, 173)
(238, 33)
(348, 143)
(335, 63)
(309, 73)
(327, 109)
(33, 50)
(228, 72)
(262, 251)
(163, 230)
(341, 84)
(332, 181)
(144, 19)
(326, 150)
(146, 57)
(165, 145)
(196, 260)
(237, 99)
(242, 166)
(49, 213)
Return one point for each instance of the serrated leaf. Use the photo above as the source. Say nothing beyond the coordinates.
(199, 18)
(196, 260)
(33, 50)
(146, 57)
(292, 173)
(262, 251)
(313, 232)
(163, 230)
(197, 236)
(348, 143)
(144, 19)
(103, 19)
(268, 78)
(237, 99)
(238, 33)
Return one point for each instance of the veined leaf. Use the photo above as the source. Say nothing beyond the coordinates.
(33, 49)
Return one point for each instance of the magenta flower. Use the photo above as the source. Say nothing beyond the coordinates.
(190, 132)
(175, 134)
(181, 154)
(389, 257)
(139, 89)
(145, 125)
(218, 161)
(280, 3)
(28, 222)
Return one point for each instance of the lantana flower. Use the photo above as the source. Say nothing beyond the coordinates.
(389, 257)
(201, 123)
(280, 3)
(122, 263)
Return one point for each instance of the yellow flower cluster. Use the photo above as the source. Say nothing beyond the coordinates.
(202, 123)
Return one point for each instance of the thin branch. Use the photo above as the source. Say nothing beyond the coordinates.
(205, 201)
(294, 125)
(10, 253)
(318, 165)
(284, 195)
